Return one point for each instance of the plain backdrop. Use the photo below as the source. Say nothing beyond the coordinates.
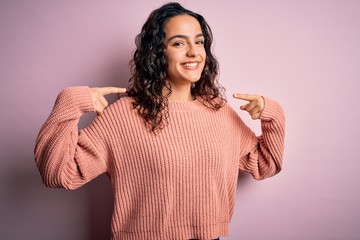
(305, 54)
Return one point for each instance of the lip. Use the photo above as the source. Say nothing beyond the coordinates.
(193, 65)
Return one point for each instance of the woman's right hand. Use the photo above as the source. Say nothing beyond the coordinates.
(97, 96)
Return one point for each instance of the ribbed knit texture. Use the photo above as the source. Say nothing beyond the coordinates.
(177, 184)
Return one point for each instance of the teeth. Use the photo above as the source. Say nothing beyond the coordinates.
(191, 64)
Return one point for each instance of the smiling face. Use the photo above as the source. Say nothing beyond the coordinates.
(184, 50)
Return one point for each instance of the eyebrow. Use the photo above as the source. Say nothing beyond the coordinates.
(184, 36)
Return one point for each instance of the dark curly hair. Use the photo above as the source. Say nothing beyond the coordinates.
(149, 66)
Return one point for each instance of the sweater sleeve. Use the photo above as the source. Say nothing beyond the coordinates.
(66, 157)
(264, 154)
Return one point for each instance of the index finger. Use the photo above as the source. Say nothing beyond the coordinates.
(246, 97)
(109, 90)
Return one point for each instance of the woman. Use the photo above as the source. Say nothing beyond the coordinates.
(173, 147)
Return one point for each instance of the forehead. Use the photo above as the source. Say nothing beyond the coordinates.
(182, 24)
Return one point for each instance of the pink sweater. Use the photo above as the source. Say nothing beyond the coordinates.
(178, 184)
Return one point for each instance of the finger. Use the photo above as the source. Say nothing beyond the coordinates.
(256, 116)
(100, 105)
(98, 108)
(243, 107)
(251, 106)
(103, 101)
(248, 107)
(246, 97)
(255, 110)
(110, 90)
(96, 96)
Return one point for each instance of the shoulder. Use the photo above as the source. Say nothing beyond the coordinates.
(228, 110)
(117, 115)
(124, 103)
(123, 109)
(272, 110)
(232, 117)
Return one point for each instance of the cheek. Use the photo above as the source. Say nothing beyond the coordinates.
(171, 64)
(170, 60)
(175, 57)
(203, 53)
(203, 56)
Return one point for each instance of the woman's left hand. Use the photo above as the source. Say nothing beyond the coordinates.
(254, 107)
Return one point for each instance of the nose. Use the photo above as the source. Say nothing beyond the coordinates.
(192, 50)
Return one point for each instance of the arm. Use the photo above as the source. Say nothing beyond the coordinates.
(64, 156)
(263, 155)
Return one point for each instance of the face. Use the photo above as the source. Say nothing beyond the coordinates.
(184, 50)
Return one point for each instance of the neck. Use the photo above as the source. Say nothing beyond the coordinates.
(179, 93)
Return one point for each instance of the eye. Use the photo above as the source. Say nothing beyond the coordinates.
(178, 44)
(200, 42)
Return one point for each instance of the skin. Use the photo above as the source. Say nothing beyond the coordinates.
(185, 53)
(98, 99)
(255, 104)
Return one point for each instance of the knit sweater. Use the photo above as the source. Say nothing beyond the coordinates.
(179, 183)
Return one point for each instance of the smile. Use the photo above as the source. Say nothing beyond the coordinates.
(191, 65)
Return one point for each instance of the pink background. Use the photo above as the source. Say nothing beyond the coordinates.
(305, 54)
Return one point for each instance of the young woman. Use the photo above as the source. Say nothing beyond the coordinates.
(173, 147)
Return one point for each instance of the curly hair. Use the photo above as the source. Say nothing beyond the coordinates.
(149, 65)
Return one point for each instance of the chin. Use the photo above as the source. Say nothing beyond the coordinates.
(194, 79)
